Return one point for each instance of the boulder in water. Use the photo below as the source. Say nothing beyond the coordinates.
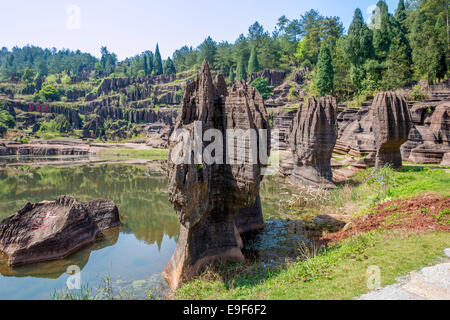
(52, 230)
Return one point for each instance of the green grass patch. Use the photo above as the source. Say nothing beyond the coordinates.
(147, 154)
(337, 272)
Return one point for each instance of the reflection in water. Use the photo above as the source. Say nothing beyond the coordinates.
(134, 255)
(55, 269)
(141, 249)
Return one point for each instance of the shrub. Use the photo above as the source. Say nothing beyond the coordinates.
(59, 124)
(49, 93)
(418, 93)
(6, 119)
(262, 85)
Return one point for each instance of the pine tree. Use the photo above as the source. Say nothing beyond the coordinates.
(231, 76)
(169, 67)
(241, 70)
(149, 58)
(382, 35)
(157, 62)
(145, 65)
(253, 64)
(399, 60)
(401, 14)
(358, 47)
(207, 51)
(324, 72)
(359, 40)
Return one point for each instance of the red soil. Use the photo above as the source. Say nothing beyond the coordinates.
(415, 214)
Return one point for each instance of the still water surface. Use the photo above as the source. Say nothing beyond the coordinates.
(133, 256)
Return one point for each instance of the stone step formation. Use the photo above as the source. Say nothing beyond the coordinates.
(214, 202)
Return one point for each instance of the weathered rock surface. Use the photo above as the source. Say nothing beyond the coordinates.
(275, 77)
(214, 202)
(440, 123)
(391, 126)
(355, 135)
(312, 139)
(446, 160)
(52, 230)
(9, 149)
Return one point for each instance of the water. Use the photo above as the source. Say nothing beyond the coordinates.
(133, 256)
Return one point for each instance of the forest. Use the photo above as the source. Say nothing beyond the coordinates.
(386, 52)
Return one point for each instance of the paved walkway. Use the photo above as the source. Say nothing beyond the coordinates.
(431, 283)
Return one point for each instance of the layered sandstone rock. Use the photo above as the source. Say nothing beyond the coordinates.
(312, 139)
(440, 123)
(391, 126)
(355, 135)
(52, 230)
(215, 202)
(275, 77)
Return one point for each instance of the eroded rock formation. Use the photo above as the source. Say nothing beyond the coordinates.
(312, 139)
(52, 230)
(391, 126)
(214, 202)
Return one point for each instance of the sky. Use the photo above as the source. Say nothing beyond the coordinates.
(131, 27)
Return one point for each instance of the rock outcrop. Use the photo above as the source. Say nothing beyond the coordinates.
(440, 123)
(275, 77)
(355, 135)
(312, 140)
(52, 230)
(391, 126)
(216, 201)
(42, 149)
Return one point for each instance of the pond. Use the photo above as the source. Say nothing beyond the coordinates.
(133, 256)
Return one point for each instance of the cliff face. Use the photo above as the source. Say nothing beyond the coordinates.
(216, 200)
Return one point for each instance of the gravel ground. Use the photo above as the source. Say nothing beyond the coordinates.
(430, 283)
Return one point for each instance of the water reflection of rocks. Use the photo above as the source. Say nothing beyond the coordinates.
(54, 269)
(139, 192)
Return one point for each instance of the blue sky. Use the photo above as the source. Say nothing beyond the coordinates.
(131, 27)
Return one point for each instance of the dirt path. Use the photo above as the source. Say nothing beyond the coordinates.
(430, 283)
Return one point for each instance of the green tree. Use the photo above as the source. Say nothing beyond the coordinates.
(241, 70)
(253, 63)
(263, 87)
(28, 76)
(108, 60)
(157, 62)
(382, 34)
(324, 74)
(231, 76)
(359, 48)
(207, 51)
(49, 93)
(169, 67)
(401, 15)
(6, 119)
(397, 67)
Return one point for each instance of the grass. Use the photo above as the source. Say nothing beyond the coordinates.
(337, 272)
(362, 192)
(147, 154)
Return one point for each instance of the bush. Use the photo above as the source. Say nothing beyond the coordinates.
(49, 93)
(262, 85)
(6, 119)
(59, 124)
(418, 93)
